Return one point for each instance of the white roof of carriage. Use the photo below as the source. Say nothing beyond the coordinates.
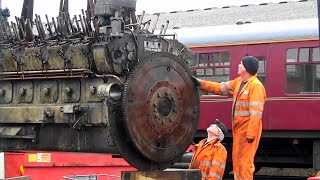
(254, 32)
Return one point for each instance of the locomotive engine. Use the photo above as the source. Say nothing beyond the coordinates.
(99, 82)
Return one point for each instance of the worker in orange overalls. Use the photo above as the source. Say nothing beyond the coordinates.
(210, 155)
(248, 100)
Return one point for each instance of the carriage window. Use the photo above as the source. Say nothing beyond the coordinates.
(303, 76)
(262, 70)
(213, 66)
(292, 55)
(315, 54)
(220, 66)
(214, 60)
(318, 71)
(195, 60)
(304, 55)
(203, 60)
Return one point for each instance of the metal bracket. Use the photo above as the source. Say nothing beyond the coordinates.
(76, 115)
(12, 133)
(70, 109)
(65, 53)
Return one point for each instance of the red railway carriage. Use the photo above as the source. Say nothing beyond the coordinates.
(290, 71)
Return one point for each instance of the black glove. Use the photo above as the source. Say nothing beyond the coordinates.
(196, 80)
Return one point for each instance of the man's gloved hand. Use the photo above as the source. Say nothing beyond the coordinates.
(250, 140)
(197, 80)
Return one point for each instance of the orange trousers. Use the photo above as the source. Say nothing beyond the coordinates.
(243, 155)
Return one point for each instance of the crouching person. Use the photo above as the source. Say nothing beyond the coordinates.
(210, 155)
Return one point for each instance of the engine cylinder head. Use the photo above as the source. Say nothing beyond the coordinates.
(108, 7)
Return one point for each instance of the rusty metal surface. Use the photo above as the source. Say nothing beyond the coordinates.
(6, 92)
(55, 61)
(80, 56)
(50, 114)
(101, 59)
(24, 92)
(32, 62)
(9, 62)
(59, 137)
(49, 91)
(91, 90)
(71, 91)
(161, 107)
(42, 101)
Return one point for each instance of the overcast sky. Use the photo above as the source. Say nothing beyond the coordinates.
(51, 7)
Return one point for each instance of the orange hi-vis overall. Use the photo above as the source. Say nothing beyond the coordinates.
(210, 159)
(247, 121)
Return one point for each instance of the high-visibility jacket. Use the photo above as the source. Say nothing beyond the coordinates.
(247, 105)
(247, 111)
(210, 159)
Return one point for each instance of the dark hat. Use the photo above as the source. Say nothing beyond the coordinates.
(251, 64)
(222, 126)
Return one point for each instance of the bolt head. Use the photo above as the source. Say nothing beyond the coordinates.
(22, 91)
(46, 91)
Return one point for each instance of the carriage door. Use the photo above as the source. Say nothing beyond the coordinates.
(261, 51)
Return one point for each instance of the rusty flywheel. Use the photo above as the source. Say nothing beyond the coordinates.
(160, 112)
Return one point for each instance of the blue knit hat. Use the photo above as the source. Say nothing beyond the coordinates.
(251, 64)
